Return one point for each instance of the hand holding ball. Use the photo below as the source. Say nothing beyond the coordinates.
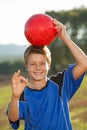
(40, 30)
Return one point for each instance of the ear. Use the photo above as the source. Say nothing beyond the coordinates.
(48, 66)
(26, 67)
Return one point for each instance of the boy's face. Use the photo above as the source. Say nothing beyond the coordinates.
(37, 67)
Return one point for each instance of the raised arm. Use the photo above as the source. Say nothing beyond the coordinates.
(18, 85)
(79, 55)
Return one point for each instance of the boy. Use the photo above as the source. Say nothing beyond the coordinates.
(44, 104)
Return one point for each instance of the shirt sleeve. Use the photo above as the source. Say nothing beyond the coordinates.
(15, 124)
(22, 112)
(70, 84)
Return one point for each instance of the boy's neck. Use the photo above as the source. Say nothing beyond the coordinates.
(37, 84)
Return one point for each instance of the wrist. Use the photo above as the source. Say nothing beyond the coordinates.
(66, 39)
(14, 98)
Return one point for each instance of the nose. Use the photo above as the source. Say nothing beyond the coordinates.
(38, 66)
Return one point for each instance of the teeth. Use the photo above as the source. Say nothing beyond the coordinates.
(37, 73)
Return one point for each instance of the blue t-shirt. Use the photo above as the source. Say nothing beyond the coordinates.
(46, 109)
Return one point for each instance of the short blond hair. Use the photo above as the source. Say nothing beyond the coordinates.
(43, 50)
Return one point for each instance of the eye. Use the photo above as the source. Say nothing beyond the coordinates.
(43, 63)
(32, 64)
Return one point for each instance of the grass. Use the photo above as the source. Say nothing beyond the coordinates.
(78, 108)
(5, 96)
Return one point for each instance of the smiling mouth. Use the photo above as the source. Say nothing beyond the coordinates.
(38, 73)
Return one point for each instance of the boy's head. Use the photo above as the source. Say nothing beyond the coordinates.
(43, 50)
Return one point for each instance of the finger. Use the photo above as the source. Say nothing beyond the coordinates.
(18, 80)
(25, 83)
(23, 80)
(16, 74)
(58, 26)
(57, 23)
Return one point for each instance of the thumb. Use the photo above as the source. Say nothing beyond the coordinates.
(25, 82)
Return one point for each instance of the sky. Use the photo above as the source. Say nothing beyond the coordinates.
(14, 14)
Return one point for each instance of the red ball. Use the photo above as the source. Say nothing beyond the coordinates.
(40, 30)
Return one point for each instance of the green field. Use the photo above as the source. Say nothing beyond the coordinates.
(78, 108)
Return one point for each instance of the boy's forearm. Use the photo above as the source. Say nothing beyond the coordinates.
(78, 54)
(13, 111)
(80, 57)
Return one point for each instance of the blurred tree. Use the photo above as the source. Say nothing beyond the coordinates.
(76, 23)
(8, 67)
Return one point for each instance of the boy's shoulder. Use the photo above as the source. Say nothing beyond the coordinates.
(58, 79)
